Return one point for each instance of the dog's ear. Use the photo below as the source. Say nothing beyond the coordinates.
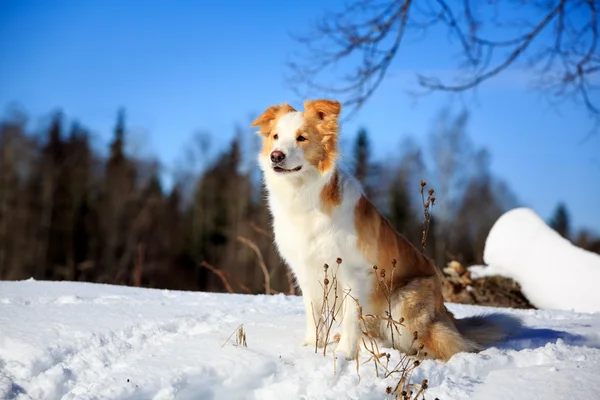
(266, 119)
(323, 110)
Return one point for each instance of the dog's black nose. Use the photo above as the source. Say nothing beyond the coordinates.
(277, 156)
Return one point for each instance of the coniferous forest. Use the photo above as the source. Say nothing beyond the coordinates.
(71, 209)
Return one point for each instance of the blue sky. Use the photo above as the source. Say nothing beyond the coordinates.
(182, 66)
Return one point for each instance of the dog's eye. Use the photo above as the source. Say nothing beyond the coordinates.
(301, 138)
(276, 136)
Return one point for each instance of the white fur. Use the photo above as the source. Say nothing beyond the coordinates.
(307, 237)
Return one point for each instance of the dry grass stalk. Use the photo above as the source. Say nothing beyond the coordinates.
(329, 309)
(387, 289)
(427, 207)
(369, 326)
(261, 261)
(240, 337)
(403, 370)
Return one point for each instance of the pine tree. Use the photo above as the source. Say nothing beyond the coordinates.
(560, 220)
(211, 213)
(400, 213)
(403, 207)
(17, 155)
(362, 154)
(117, 205)
(55, 203)
(79, 174)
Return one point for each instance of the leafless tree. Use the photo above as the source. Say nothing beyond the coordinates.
(555, 39)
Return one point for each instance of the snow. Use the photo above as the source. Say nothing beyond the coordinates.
(66, 340)
(553, 273)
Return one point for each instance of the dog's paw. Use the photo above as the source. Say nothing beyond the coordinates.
(347, 349)
(311, 340)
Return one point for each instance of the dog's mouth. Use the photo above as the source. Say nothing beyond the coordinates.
(283, 170)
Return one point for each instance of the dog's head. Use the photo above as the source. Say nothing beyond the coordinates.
(297, 142)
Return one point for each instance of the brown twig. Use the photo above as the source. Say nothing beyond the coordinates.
(261, 261)
(324, 321)
(260, 230)
(219, 274)
(427, 207)
(369, 323)
(369, 327)
(331, 311)
(231, 276)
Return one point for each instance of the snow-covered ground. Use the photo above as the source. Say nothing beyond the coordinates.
(553, 273)
(63, 340)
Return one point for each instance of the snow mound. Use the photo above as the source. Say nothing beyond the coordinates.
(553, 273)
(65, 340)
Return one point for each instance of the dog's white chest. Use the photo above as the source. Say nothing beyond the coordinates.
(307, 238)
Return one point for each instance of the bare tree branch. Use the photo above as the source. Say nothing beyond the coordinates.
(220, 274)
(366, 37)
(244, 288)
(261, 261)
(559, 46)
(475, 81)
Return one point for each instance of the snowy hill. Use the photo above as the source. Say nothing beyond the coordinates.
(62, 340)
(553, 273)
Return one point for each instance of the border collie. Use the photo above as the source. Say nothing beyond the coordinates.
(320, 213)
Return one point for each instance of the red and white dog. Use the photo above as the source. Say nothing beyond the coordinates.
(320, 213)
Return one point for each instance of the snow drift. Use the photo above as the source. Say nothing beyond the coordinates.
(553, 273)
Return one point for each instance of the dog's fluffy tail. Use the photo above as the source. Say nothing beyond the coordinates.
(470, 334)
(486, 330)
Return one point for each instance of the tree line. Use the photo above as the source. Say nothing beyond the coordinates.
(68, 211)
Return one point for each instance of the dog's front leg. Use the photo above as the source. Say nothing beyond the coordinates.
(314, 326)
(350, 327)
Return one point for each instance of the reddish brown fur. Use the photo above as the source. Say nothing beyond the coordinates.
(321, 130)
(380, 244)
(267, 121)
(424, 312)
(415, 284)
(443, 340)
(331, 195)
